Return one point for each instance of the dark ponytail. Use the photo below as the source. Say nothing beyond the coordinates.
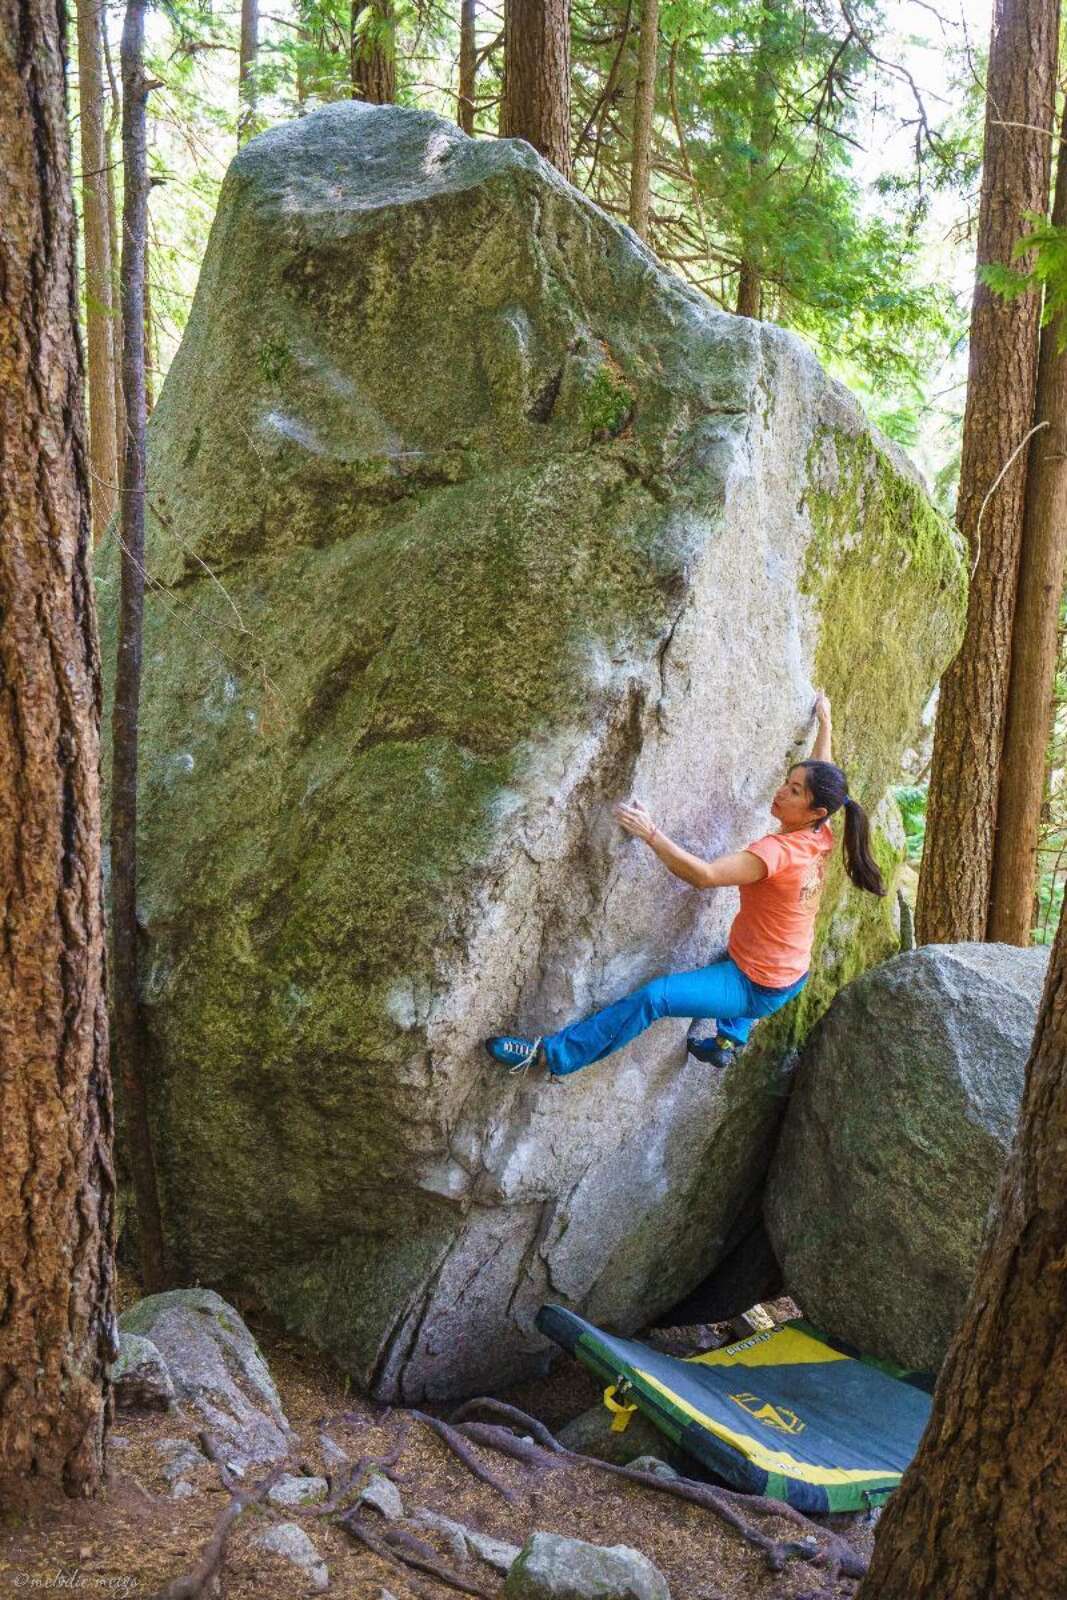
(828, 787)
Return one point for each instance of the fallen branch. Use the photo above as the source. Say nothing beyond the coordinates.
(203, 1575)
(408, 1551)
(727, 1504)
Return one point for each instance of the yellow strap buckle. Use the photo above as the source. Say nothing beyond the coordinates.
(620, 1414)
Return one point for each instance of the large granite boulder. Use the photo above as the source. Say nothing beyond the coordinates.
(466, 518)
(902, 1114)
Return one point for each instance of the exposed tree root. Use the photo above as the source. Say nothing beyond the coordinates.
(407, 1551)
(452, 1437)
(201, 1578)
(838, 1557)
(499, 1408)
(350, 1479)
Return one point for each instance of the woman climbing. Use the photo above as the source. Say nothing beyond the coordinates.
(780, 877)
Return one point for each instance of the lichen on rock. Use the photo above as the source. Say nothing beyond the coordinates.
(467, 518)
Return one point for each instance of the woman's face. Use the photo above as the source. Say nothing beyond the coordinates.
(792, 803)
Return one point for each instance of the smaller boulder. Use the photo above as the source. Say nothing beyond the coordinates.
(900, 1121)
(140, 1377)
(551, 1567)
(297, 1491)
(653, 1464)
(217, 1370)
(591, 1434)
(289, 1543)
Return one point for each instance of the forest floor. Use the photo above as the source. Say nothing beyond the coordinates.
(133, 1539)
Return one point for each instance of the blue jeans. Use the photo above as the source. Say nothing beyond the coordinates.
(721, 991)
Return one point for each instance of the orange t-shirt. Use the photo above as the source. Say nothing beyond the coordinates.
(771, 936)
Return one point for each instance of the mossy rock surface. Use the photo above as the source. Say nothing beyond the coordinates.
(904, 1111)
(467, 518)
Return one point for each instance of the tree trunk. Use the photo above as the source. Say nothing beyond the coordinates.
(981, 1513)
(468, 55)
(373, 58)
(537, 77)
(644, 105)
(112, 139)
(127, 1037)
(246, 71)
(955, 882)
(761, 138)
(749, 289)
(99, 308)
(58, 1330)
(149, 341)
(1035, 633)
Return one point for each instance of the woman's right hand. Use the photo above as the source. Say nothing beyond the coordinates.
(821, 709)
(631, 815)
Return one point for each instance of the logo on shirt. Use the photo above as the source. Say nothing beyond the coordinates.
(814, 878)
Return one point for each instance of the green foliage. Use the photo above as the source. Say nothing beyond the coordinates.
(761, 108)
(1046, 274)
(911, 798)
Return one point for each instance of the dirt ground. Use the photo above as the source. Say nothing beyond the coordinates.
(133, 1539)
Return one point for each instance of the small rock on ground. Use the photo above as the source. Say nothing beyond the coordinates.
(289, 1542)
(462, 1540)
(384, 1496)
(179, 1457)
(551, 1567)
(295, 1491)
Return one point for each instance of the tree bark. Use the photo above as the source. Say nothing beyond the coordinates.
(373, 57)
(99, 312)
(1035, 633)
(112, 138)
(644, 106)
(981, 1513)
(749, 289)
(955, 883)
(58, 1330)
(149, 339)
(127, 1035)
(537, 77)
(468, 57)
(246, 70)
(761, 137)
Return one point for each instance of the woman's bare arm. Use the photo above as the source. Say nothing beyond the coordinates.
(740, 866)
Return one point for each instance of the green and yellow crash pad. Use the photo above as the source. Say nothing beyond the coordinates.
(790, 1413)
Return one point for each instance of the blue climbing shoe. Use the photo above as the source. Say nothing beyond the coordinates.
(717, 1051)
(513, 1051)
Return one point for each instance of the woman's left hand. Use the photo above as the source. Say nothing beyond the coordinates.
(631, 815)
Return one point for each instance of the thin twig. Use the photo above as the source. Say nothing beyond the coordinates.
(995, 485)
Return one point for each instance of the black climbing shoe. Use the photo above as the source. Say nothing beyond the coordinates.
(718, 1051)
